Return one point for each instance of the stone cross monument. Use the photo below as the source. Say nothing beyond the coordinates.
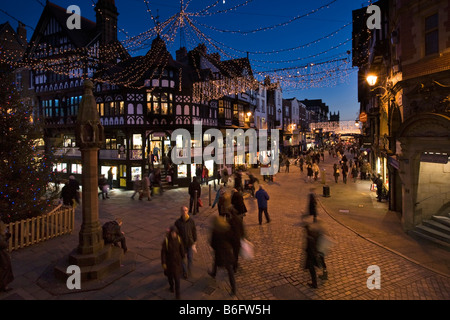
(95, 259)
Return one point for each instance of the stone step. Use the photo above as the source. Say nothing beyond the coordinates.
(437, 225)
(433, 233)
(442, 219)
(419, 235)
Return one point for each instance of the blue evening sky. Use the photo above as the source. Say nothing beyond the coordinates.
(288, 40)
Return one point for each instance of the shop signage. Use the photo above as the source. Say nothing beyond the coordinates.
(434, 158)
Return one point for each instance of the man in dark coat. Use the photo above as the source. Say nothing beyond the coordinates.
(188, 234)
(6, 273)
(262, 196)
(221, 242)
(194, 186)
(69, 194)
(172, 254)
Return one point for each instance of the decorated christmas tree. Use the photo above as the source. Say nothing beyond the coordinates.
(24, 171)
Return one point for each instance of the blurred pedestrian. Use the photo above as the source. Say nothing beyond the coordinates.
(103, 186)
(194, 187)
(237, 200)
(172, 255)
(238, 233)
(312, 204)
(222, 244)
(188, 234)
(354, 172)
(335, 172)
(137, 186)
(287, 165)
(6, 272)
(316, 170)
(312, 256)
(309, 171)
(146, 186)
(262, 196)
(219, 194)
(344, 171)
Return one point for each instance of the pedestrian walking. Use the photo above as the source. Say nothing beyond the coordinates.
(310, 172)
(287, 165)
(237, 231)
(262, 197)
(238, 181)
(188, 234)
(315, 168)
(301, 162)
(354, 172)
(6, 272)
(335, 172)
(137, 186)
(110, 178)
(312, 204)
(222, 244)
(219, 194)
(69, 195)
(172, 255)
(237, 200)
(103, 186)
(225, 176)
(344, 171)
(312, 256)
(194, 186)
(146, 186)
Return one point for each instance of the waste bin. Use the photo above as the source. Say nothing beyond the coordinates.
(326, 191)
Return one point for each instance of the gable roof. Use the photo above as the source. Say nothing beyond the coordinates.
(79, 37)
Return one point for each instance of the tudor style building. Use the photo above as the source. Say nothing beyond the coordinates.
(141, 100)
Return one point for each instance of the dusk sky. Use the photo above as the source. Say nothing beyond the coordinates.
(303, 44)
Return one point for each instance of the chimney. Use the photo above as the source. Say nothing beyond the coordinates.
(181, 55)
(106, 19)
(22, 33)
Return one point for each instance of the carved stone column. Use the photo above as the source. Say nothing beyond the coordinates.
(90, 137)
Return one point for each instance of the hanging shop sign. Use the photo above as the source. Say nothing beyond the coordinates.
(363, 117)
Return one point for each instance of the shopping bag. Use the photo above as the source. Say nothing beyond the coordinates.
(200, 202)
(247, 249)
(324, 244)
(169, 179)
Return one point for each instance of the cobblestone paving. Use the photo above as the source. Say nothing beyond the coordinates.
(275, 273)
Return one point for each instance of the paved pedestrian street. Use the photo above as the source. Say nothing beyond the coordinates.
(363, 231)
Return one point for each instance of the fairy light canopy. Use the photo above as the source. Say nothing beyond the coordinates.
(301, 45)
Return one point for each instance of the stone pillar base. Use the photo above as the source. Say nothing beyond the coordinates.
(93, 266)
